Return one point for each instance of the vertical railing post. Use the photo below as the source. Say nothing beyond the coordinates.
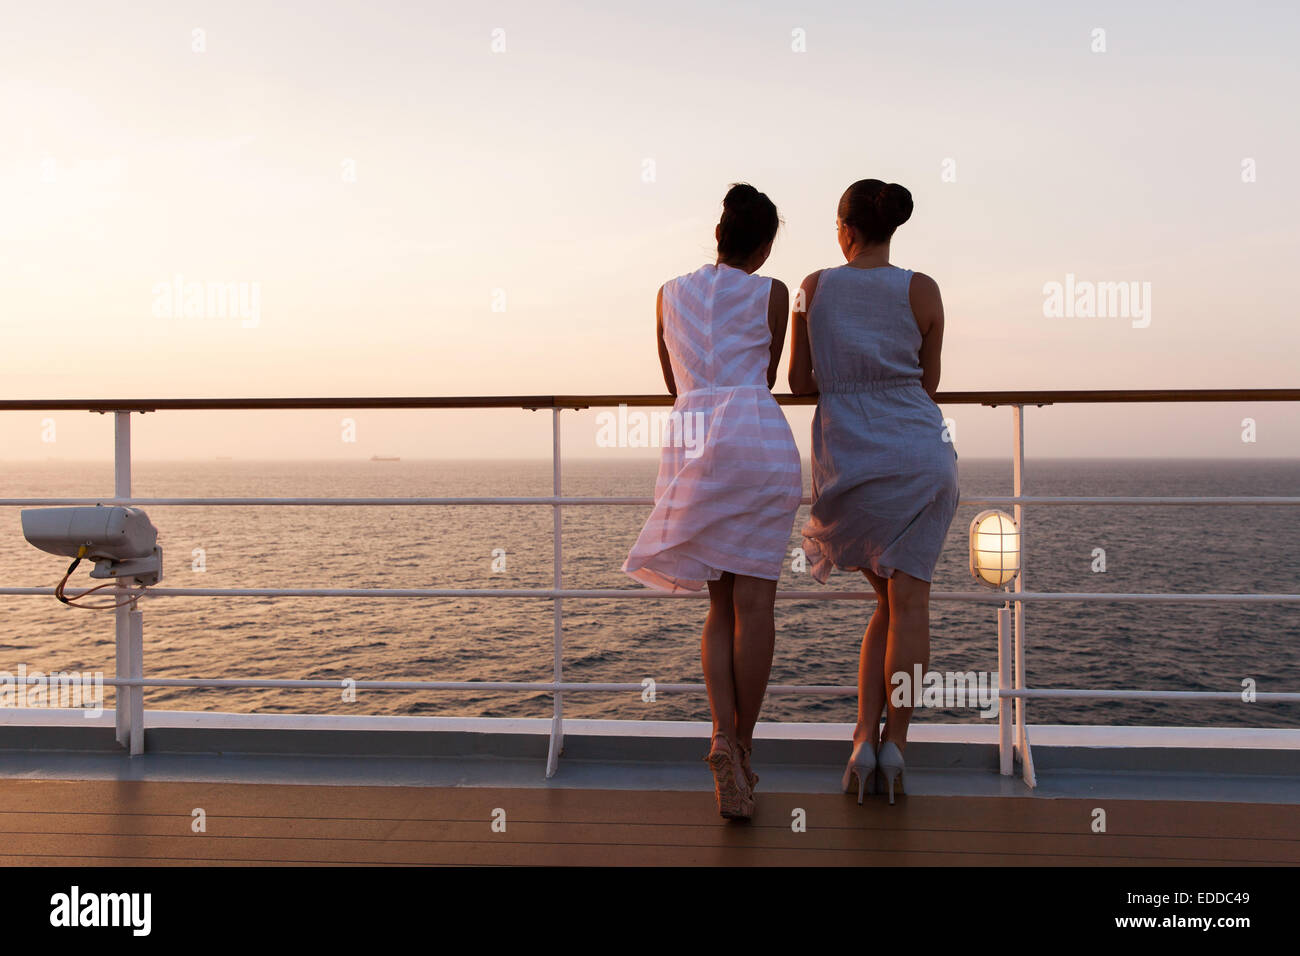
(135, 669)
(1018, 489)
(1006, 746)
(557, 716)
(122, 625)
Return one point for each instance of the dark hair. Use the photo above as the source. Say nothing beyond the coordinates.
(875, 209)
(749, 222)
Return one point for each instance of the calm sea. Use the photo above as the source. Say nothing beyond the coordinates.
(1154, 646)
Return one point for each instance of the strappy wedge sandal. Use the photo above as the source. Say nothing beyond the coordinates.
(735, 801)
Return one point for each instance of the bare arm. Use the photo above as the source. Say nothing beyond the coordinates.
(802, 379)
(778, 308)
(927, 308)
(664, 361)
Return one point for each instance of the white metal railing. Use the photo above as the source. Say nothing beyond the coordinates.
(1012, 691)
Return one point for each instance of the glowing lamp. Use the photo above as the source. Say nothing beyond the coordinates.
(994, 548)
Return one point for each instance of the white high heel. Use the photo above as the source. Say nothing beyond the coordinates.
(890, 765)
(862, 764)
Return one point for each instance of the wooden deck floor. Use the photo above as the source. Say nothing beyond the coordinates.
(98, 822)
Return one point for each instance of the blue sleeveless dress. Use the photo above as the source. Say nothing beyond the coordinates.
(884, 469)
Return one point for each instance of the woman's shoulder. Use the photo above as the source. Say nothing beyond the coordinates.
(813, 279)
(890, 276)
(739, 285)
(710, 273)
(684, 277)
(816, 280)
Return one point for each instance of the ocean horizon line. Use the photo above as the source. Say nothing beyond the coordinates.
(390, 459)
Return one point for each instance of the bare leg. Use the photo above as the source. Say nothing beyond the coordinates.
(909, 644)
(715, 651)
(872, 690)
(755, 639)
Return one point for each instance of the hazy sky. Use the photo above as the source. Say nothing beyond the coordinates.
(420, 214)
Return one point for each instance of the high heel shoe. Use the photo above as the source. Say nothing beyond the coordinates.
(750, 777)
(890, 764)
(862, 764)
(735, 801)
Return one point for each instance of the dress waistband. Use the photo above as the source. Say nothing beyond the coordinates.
(715, 389)
(843, 387)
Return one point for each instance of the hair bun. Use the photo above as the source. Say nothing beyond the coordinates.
(739, 195)
(875, 209)
(895, 204)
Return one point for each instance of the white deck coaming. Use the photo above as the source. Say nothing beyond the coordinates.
(1046, 735)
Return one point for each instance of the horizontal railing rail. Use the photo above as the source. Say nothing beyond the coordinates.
(537, 402)
(1011, 685)
(567, 502)
(636, 594)
(821, 690)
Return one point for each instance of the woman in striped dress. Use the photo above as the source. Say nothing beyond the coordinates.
(729, 483)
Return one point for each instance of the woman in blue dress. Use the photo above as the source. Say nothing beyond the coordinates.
(866, 338)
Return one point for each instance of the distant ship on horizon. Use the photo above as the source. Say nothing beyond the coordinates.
(384, 458)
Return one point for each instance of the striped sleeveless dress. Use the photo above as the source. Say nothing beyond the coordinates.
(729, 483)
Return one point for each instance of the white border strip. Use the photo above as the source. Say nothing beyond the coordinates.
(1050, 735)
